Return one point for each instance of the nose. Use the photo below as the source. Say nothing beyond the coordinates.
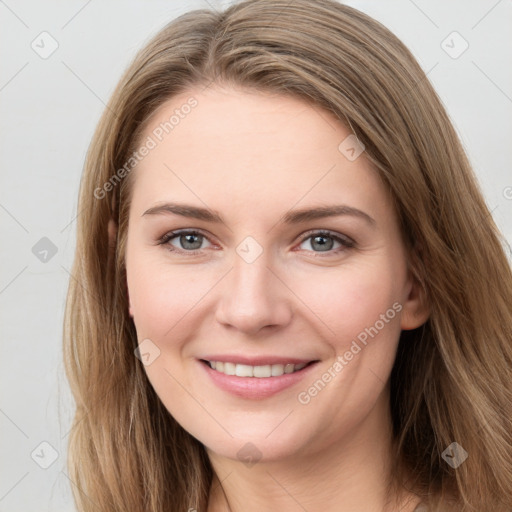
(254, 297)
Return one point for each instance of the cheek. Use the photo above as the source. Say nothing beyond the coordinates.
(165, 300)
(162, 295)
(358, 310)
(351, 299)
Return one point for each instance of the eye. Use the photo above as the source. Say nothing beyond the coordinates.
(324, 241)
(190, 242)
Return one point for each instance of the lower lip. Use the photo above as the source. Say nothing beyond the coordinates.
(256, 388)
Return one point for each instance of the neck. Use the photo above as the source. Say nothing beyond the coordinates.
(351, 474)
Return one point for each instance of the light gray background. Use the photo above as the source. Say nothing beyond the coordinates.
(49, 110)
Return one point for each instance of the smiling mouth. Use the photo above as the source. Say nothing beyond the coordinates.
(263, 371)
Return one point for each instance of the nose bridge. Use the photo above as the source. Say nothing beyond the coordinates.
(251, 278)
(252, 296)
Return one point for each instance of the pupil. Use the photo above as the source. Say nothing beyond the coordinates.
(189, 239)
(323, 246)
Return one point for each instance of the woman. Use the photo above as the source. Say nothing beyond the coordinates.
(338, 334)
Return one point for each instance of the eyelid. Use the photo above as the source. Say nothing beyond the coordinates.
(168, 236)
(327, 232)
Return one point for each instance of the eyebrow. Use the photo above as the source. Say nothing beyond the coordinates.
(291, 217)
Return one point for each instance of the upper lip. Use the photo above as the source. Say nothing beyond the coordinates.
(255, 360)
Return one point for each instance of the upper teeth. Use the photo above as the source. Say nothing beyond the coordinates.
(245, 370)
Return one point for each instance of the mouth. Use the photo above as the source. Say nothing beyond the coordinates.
(259, 372)
(256, 382)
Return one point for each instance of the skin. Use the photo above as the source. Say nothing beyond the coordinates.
(252, 157)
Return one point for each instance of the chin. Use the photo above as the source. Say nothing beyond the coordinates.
(251, 445)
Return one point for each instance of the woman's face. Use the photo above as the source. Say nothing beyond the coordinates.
(262, 280)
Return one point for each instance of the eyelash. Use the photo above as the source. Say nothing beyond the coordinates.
(346, 242)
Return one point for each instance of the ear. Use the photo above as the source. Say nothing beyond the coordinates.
(416, 309)
(130, 309)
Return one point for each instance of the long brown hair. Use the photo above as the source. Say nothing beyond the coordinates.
(452, 379)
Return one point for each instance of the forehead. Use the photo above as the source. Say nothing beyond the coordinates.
(252, 148)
